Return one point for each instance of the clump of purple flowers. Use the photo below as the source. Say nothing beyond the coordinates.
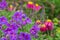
(3, 4)
(3, 21)
(3, 38)
(19, 19)
(24, 36)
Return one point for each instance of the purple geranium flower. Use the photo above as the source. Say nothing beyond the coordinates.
(3, 20)
(0, 26)
(13, 26)
(34, 31)
(28, 20)
(3, 4)
(10, 34)
(24, 36)
(23, 15)
(17, 16)
(24, 22)
(13, 36)
(3, 38)
(8, 30)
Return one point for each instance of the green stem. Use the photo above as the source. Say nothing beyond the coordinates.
(42, 14)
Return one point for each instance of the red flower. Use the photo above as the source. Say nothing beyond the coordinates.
(43, 28)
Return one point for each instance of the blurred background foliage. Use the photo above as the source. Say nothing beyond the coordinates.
(52, 7)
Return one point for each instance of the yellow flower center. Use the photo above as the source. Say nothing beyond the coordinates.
(48, 20)
(30, 2)
(43, 25)
(36, 4)
(38, 21)
(11, 6)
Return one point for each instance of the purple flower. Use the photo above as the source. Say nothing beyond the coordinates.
(3, 20)
(28, 20)
(3, 5)
(13, 36)
(20, 19)
(34, 31)
(10, 34)
(24, 36)
(3, 0)
(13, 26)
(0, 26)
(12, 21)
(17, 16)
(19, 25)
(24, 16)
(24, 23)
(3, 38)
(8, 30)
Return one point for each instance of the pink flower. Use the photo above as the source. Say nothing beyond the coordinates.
(10, 8)
(30, 5)
(37, 7)
(49, 24)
